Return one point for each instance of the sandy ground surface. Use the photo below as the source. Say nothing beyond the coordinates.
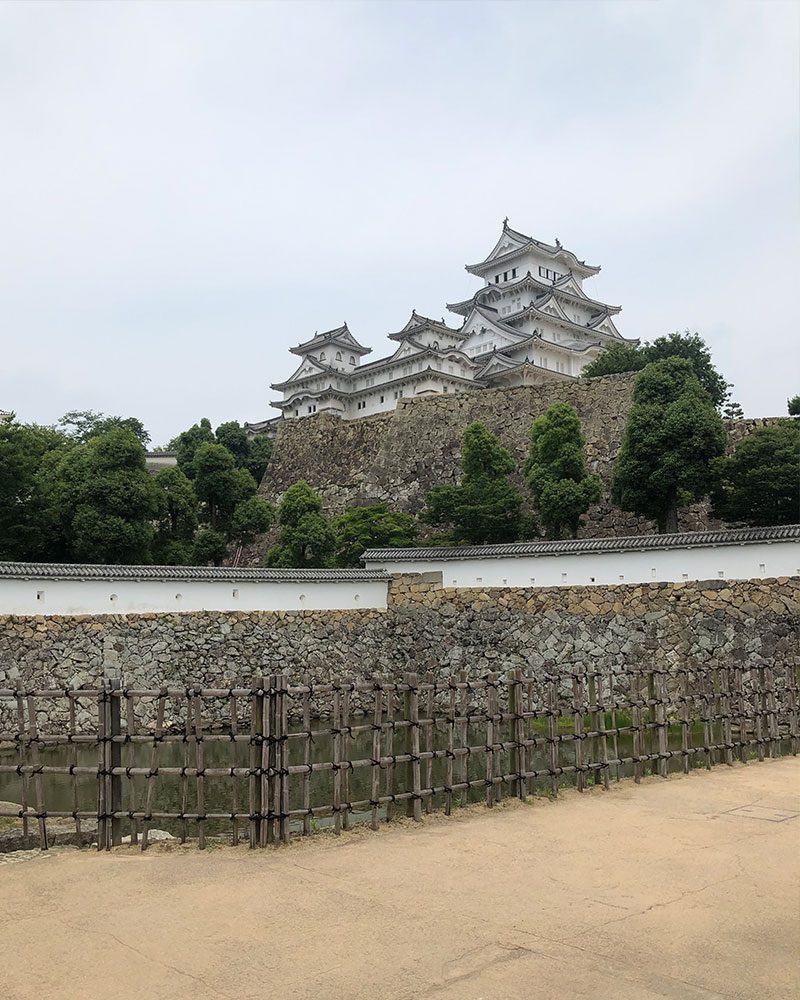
(684, 888)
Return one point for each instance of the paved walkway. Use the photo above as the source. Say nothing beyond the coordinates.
(685, 888)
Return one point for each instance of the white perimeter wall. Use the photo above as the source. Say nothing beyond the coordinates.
(724, 562)
(108, 597)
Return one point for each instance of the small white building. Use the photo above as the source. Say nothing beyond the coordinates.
(531, 321)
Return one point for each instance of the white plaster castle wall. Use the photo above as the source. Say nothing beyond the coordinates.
(726, 562)
(107, 597)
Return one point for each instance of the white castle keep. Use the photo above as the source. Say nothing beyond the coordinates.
(531, 321)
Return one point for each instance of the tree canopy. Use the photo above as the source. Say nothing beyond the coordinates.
(793, 406)
(671, 438)
(485, 506)
(759, 484)
(100, 501)
(81, 425)
(361, 528)
(306, 536)
(555, 471)
(251, 454)
(691, 346)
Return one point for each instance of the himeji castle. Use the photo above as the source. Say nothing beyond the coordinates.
(531, 321)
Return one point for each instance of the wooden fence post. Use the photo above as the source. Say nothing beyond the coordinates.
(663, 723)
(114, 758)
(254, 780)
(577, 728)
(413, 777)
(516, 729)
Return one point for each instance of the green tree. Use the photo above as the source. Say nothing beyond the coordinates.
(615, 359)
(214, 479)
(24, 527)
(101, 500)
(250, 518)
(231, 435)
(732, 411)
(361, 528)
(691, 346)
(793, 406)
(485, 506)
(81, 425)
(672, 435)
(178, 517)
(306, 537)
(259, 455)
(555, 471)
(759, 484)
(209, 547)
(187, 443)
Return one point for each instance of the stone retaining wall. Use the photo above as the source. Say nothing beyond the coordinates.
(397, 457)
(426, 627)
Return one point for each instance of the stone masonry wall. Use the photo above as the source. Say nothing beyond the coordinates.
(397, 457)
(426, 628)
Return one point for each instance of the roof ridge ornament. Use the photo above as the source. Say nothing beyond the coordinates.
(505, 223)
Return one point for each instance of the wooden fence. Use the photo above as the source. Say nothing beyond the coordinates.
(259, 762)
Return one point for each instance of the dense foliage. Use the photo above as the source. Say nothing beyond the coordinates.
(555, 472)
(372, 527)
(793, 406)
(672, 436)
(306, 536)
(485, 506)
(81, 492)
(250, 454)
(691, 346)
(759, 484)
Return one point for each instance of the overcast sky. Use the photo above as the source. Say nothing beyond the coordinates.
(190, 189)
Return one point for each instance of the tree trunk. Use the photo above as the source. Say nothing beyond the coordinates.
(670, 519)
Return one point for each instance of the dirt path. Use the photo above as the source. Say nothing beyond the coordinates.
(660, 890)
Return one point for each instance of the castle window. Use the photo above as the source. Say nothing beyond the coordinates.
(297, 413)
(497, 279)
(436, 345)
(338, 355)
(513, 272)
(352, 360)
(322, 356)
(382, 398)
(505, 275)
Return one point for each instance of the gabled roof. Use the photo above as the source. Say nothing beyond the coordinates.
(627, 543)
(566, 286)
(295, 378)
(512, 243)
(491, 318)
(419, 322)
(535, 309)
(499, 372)
(341, 335)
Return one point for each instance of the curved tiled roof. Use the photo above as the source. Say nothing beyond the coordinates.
(689, 539)
(208, 574)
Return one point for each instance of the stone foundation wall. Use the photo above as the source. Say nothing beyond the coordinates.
(397, 457)
(426, 628)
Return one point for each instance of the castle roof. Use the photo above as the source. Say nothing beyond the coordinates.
(566, 286)
(341, 336)
(513, 243)
(418, 322)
